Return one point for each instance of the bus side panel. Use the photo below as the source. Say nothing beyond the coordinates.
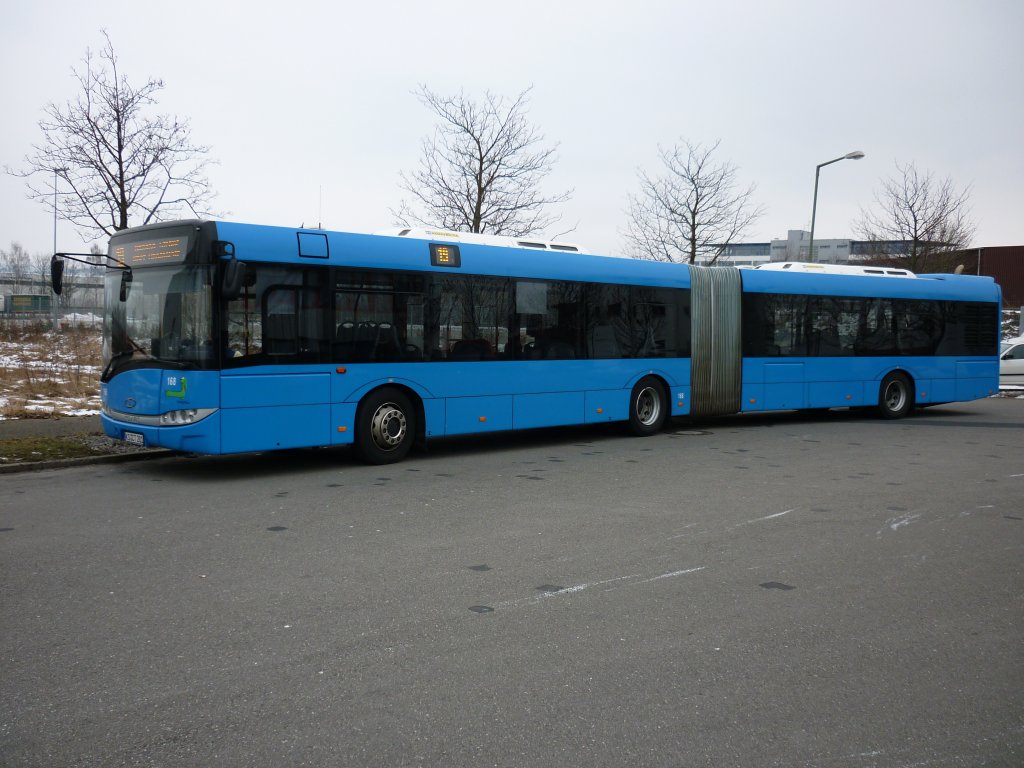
(275, 410)
(268, 389)
(976, 379)
(550, 409)
(752, 398)
(343, 419)
(852, 381)
(942, 391)
(540, 393)
(470, 415)
(679, 400)
(273, 427)
(606, 405)
(434, 415)
(832, 394)
(784, 386)
(804, 383)
(923, 391)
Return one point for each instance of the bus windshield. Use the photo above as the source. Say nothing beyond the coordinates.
(166, 318)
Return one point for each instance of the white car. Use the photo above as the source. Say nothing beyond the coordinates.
(1011, 362)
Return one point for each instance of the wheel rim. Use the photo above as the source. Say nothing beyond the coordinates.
(895, 396)
(648, 406)
(388, 427)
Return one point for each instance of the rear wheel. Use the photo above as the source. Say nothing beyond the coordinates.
(385, 426)
(895, 396)
(648, 407)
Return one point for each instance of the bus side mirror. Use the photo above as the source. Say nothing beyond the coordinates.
(126, 284)
(234, 279)
(56, 274)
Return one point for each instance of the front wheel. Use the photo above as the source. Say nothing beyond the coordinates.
(895, 396)
(648, 407)
(385, 426)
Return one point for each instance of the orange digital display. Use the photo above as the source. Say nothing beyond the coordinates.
(445, 255)
(165, 250)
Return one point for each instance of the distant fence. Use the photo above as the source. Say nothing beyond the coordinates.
(82, 294)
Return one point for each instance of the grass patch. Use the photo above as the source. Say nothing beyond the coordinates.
(25, 450)
(45, 374)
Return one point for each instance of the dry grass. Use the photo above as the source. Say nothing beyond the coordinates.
(45, 373)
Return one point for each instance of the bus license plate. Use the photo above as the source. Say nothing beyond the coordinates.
(135, 438)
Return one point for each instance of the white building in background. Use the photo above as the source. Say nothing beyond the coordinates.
(796, 247)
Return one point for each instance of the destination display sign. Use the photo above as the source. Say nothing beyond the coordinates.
(163, 250)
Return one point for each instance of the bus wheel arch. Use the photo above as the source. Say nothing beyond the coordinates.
(649, 406)
(389, 420)
(895, 394)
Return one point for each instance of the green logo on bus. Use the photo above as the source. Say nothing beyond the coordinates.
(172, 381)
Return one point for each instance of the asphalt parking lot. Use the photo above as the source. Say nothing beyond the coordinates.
(780, 590)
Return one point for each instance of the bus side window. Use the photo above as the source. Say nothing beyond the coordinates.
(917, 326)
(243, 323)
(279, 315)
(656, 323)
(877, 332)
(824, 338)
(378, 318)
(469, 316)
(280, 336)
(293, 322)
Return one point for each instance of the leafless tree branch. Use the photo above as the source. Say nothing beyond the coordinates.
(116, 165)
(692, 211)
(481, 170)
(918, 222)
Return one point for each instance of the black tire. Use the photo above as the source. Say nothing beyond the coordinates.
(385, 426)
(648, 407)
(895, 396)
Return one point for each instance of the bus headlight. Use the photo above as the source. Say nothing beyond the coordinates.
(185, 416)
(177, 418)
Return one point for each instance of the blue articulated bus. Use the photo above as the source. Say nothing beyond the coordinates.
(225, 338)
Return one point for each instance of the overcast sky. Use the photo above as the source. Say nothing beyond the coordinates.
(295, 97)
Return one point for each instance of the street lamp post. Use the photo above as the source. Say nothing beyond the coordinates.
(814, 208)
(53, 299)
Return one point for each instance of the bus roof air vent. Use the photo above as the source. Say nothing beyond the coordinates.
(820, 268)
(479, 239)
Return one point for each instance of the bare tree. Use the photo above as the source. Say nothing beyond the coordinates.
(918, 221)
(16, 263)
(117, 164)
(482, 169)
(692, 211)
(39, 280)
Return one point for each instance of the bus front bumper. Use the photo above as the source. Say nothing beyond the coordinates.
(202, 435)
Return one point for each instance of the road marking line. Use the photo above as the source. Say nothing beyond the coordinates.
(675, 573)
(534, 599)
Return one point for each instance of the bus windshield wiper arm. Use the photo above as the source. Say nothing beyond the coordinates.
(118, 356)
(136, 347)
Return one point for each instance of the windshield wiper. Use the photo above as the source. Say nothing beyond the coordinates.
(136, 347)
(110, 365)
(173, 364)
